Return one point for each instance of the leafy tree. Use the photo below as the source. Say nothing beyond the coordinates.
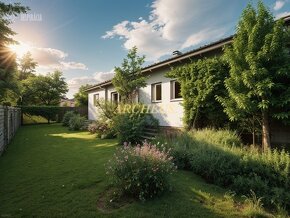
(81, 98)
(8, 68)
(27, 66)
(44, 90)
(258, 84)
(200, 82)
(128, 78)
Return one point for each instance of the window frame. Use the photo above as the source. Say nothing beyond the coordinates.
(153, 92)
(118, 97)
(95, 100)
(173, 91)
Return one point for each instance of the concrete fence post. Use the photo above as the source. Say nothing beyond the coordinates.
(10, 120)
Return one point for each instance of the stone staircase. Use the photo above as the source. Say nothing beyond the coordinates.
(150, 133)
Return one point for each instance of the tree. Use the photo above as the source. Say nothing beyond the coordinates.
(258, 85)
(81, 97)
(8, 67)
(27, 66)
(44, 90)
(129, 78)
(200, 82)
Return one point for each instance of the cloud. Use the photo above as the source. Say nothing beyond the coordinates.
(51, 58)
(97, 77)
(279, 5)
(283, 14)
(73, 66)
(174, 25)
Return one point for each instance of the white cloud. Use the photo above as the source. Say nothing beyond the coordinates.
(73, 65)
(279, 5)
(98, 77)
(283, 14)
(49, 58)
(174, 25)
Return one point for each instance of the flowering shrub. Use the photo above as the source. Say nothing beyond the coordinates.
(103, 129)
(92, 127)
(142, 171)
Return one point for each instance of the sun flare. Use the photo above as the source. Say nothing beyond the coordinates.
(19, 49)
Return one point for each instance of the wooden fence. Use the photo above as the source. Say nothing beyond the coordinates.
(10, 120)
(83, 111)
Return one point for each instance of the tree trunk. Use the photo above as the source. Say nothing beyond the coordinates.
(193, 125)
(265, 130)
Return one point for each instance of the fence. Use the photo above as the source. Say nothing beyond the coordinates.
(83, 111)
(10, 120)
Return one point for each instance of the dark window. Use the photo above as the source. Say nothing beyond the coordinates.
(156, 94)
(96, 98)
(175, 90)
(114, 97)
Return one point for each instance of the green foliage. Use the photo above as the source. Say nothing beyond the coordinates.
(106, 109)
(8, 67)
(220, 161)
(44, 90)
(103, 128)
(221, 137)
(258, 84)
(130, 124)
(200, 82)
(142, 172)
(81, 97)
(48, 112)
(67, 116)
(27, 66)
(129, 78)
(77, 122)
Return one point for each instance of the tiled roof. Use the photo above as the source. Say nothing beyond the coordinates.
(198, 51)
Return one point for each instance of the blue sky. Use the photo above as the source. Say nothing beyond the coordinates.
(86, 39)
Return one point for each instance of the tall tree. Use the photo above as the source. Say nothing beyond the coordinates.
(8, 68)
(258, 85)
(200, 82)
(26, 66)
(129, 78)
(81, 97)
(45, 90)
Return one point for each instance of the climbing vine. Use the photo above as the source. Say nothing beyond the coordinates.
(201, 81)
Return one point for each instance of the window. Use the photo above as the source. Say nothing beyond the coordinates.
(156, 92)
(115, 97)
(96, 98)
(175, 90)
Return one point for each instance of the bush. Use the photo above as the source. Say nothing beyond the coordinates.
(48, 112)
(103, 129)
(142, 171)
(77, 122)
(220, 137)
(92, 127)
(67, 116)
(242, 169)
(130, 125)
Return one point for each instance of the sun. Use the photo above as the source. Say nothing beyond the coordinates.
(19, 49)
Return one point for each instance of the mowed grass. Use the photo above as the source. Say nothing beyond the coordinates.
(49, 171)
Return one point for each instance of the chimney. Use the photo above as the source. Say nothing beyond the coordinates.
(176, 53)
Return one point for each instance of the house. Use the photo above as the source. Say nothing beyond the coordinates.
(65, 102)
(161, 92)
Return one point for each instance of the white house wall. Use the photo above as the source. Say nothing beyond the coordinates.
(168, 112)
(92, 110)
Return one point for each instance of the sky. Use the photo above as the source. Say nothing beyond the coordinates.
(86, 39)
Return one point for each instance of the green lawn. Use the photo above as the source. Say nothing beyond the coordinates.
(51, 172)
